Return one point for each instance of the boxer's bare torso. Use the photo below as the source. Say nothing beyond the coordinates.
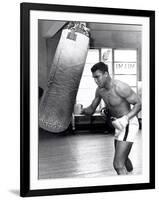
(117, 95)
(117, 105)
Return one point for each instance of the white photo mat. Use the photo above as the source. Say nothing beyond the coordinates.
(36, 183)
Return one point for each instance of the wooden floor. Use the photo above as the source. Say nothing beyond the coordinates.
(81, 155)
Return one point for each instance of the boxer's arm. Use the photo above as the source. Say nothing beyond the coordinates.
(91, 109)
(131, 97)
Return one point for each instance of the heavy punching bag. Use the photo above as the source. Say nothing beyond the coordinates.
(57, 103)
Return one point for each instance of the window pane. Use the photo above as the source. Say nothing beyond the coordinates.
(87, 87)
(109, 67)
(129, 79)
(106, 55)
(125, 68)
(125, 55)
(87, 69)
(87, 82)
(85, 96)
(92, 56)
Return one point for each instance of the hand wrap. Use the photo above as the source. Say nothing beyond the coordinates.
(120, 123)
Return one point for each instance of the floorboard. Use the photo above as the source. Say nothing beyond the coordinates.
(81, 155)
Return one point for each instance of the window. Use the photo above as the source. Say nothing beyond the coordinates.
(125, 67)
(87, 85)
(122, 65)
(106, 57)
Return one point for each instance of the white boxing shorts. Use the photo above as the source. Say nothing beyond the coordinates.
(128, 133)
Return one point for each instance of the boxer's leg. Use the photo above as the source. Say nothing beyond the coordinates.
(128, 163)
(122, 151)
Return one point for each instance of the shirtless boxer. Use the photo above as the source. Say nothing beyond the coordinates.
(118, 98)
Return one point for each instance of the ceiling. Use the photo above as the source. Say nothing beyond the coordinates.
(50, 28)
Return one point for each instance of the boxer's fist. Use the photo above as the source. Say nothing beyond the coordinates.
(87, 111)
(120, 123)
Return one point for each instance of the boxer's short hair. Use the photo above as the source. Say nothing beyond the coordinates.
(100, 66)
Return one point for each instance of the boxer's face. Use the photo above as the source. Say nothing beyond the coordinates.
(100, 78)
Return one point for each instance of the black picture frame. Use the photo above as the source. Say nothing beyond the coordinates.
(25, 9)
